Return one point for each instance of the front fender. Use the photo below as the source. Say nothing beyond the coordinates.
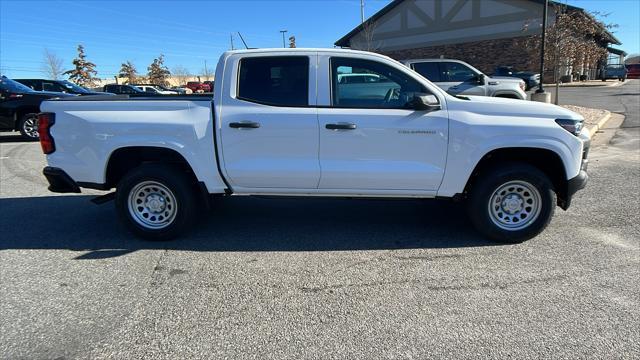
(469, 144)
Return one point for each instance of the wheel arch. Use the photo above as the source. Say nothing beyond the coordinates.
(546, 160)
(124, 159)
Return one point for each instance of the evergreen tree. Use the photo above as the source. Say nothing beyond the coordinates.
(158, 72)
(128, 71)
(84, 73)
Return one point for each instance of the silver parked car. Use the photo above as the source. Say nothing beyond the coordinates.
(459, 78)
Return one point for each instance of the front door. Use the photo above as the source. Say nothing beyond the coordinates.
(269, 127)
(371, 139)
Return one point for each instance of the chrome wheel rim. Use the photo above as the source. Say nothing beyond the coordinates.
(152, 205)
(515, 205)
(30, 127)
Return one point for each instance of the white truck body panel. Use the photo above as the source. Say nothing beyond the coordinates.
(393, 152)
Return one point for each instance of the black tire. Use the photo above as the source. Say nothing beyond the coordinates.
(26, 124)
(181, 189)
(490, 181)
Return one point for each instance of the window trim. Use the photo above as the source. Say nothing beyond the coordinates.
(253, 101)
(331, 86)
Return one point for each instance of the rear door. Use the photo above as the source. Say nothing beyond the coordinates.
(269, 122)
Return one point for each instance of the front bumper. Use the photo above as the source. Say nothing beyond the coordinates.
(579, 182)
(60, 181)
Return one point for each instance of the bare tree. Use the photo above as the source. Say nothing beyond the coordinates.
(52, 65)
(206, 72)
(368, 42)
(181, 74)
(575, 41)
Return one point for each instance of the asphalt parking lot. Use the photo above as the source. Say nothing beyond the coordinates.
(330, 279)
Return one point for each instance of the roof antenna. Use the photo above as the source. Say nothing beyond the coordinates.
(241, 38)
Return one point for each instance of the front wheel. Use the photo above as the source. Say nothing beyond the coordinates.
(512, 203)
(28, 126)
(156, 201)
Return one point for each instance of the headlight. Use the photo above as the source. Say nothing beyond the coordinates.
(572, 126)
(522, 85)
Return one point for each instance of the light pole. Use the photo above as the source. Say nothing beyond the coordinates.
(540, 94)
(283, 43)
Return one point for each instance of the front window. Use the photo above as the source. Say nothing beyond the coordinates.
(456, 72)
(376, 86)
(275, 80)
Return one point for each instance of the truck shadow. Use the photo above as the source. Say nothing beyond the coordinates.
(242, 224)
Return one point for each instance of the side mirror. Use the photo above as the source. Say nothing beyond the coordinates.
(425, 102)
(480, 79)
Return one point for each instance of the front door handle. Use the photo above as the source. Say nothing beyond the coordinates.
(341, 126)
(244, 125)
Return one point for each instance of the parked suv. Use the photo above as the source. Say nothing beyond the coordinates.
(123, 89)
(615, 71)
(63, 86)
(459, 78)
(19, 107)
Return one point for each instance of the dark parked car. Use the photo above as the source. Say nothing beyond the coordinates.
(124, 90)
(19, 107)
(57, 86)
(530, 78)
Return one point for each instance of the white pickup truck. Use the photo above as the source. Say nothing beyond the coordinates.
(281, 123)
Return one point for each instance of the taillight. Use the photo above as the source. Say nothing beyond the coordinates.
(45, 121)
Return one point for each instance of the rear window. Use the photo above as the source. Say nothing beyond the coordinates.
(275, 80)
(429, 70)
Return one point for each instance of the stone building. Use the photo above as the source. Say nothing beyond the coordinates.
(484, 33)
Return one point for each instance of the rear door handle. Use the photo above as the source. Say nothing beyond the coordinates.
(341, 126)
(244, 125)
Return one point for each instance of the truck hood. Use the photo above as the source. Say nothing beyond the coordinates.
(511, 107)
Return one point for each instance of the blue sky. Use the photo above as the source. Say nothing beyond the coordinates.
(189, 33)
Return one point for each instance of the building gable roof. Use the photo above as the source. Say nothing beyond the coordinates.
(344, 41)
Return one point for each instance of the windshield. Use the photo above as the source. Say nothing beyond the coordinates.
(7, 84)
(71, 86)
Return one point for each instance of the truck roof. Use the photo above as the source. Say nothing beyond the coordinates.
(294, 50)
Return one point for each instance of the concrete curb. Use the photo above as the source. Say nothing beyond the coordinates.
(579, 85)
(601, 123)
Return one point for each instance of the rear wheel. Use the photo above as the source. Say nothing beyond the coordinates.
(28, 126)
(157, 201)
(512, 203)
